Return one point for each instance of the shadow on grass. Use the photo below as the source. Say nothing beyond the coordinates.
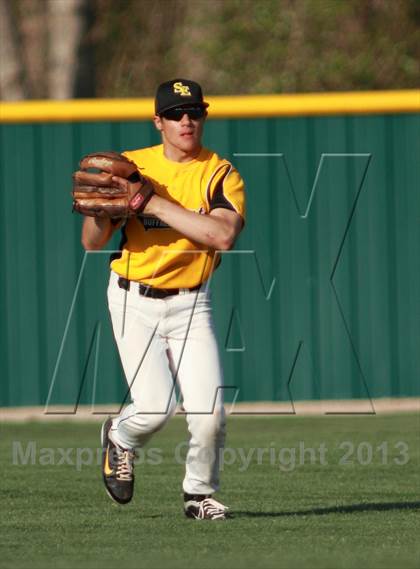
(352, 508)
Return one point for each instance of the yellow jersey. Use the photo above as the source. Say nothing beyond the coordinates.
(151, 251)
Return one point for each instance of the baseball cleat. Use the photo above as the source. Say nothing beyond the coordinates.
(204, 508)
(117, 467)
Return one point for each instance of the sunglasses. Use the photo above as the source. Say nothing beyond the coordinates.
(177, 113)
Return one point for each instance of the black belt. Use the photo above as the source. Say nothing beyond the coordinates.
(151, 292)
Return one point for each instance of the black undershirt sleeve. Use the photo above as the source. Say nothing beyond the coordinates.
(218, 199)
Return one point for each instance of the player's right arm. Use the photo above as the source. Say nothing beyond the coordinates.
(96, 232)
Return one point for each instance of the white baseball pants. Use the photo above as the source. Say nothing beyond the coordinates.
(160, 342)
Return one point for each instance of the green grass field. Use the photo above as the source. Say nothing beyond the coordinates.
(353, 502)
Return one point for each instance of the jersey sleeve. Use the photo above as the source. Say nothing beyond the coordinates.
(227, 190)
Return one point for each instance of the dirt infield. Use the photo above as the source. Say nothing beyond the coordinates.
(301, 408)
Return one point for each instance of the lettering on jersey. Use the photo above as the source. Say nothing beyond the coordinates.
(181, 89)
(152, 222)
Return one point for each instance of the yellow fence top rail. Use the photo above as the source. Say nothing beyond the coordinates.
(365, 102)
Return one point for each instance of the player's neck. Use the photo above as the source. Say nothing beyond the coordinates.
(177, 155)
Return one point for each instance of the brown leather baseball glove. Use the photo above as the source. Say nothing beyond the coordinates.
(95, 193)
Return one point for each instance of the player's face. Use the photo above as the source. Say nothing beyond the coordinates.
(181, 133)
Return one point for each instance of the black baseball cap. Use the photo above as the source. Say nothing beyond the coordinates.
(176, 93)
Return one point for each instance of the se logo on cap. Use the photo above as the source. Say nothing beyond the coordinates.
(182, 90)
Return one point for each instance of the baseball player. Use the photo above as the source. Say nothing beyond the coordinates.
(159, 299)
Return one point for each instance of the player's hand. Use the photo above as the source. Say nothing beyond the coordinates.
(130, 187)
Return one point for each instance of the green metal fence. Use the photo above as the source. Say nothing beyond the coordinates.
(319, 299)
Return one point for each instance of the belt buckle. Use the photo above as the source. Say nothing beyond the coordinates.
(145, 290)
(150, 292)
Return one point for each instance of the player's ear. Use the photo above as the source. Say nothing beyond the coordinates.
(158, 122)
